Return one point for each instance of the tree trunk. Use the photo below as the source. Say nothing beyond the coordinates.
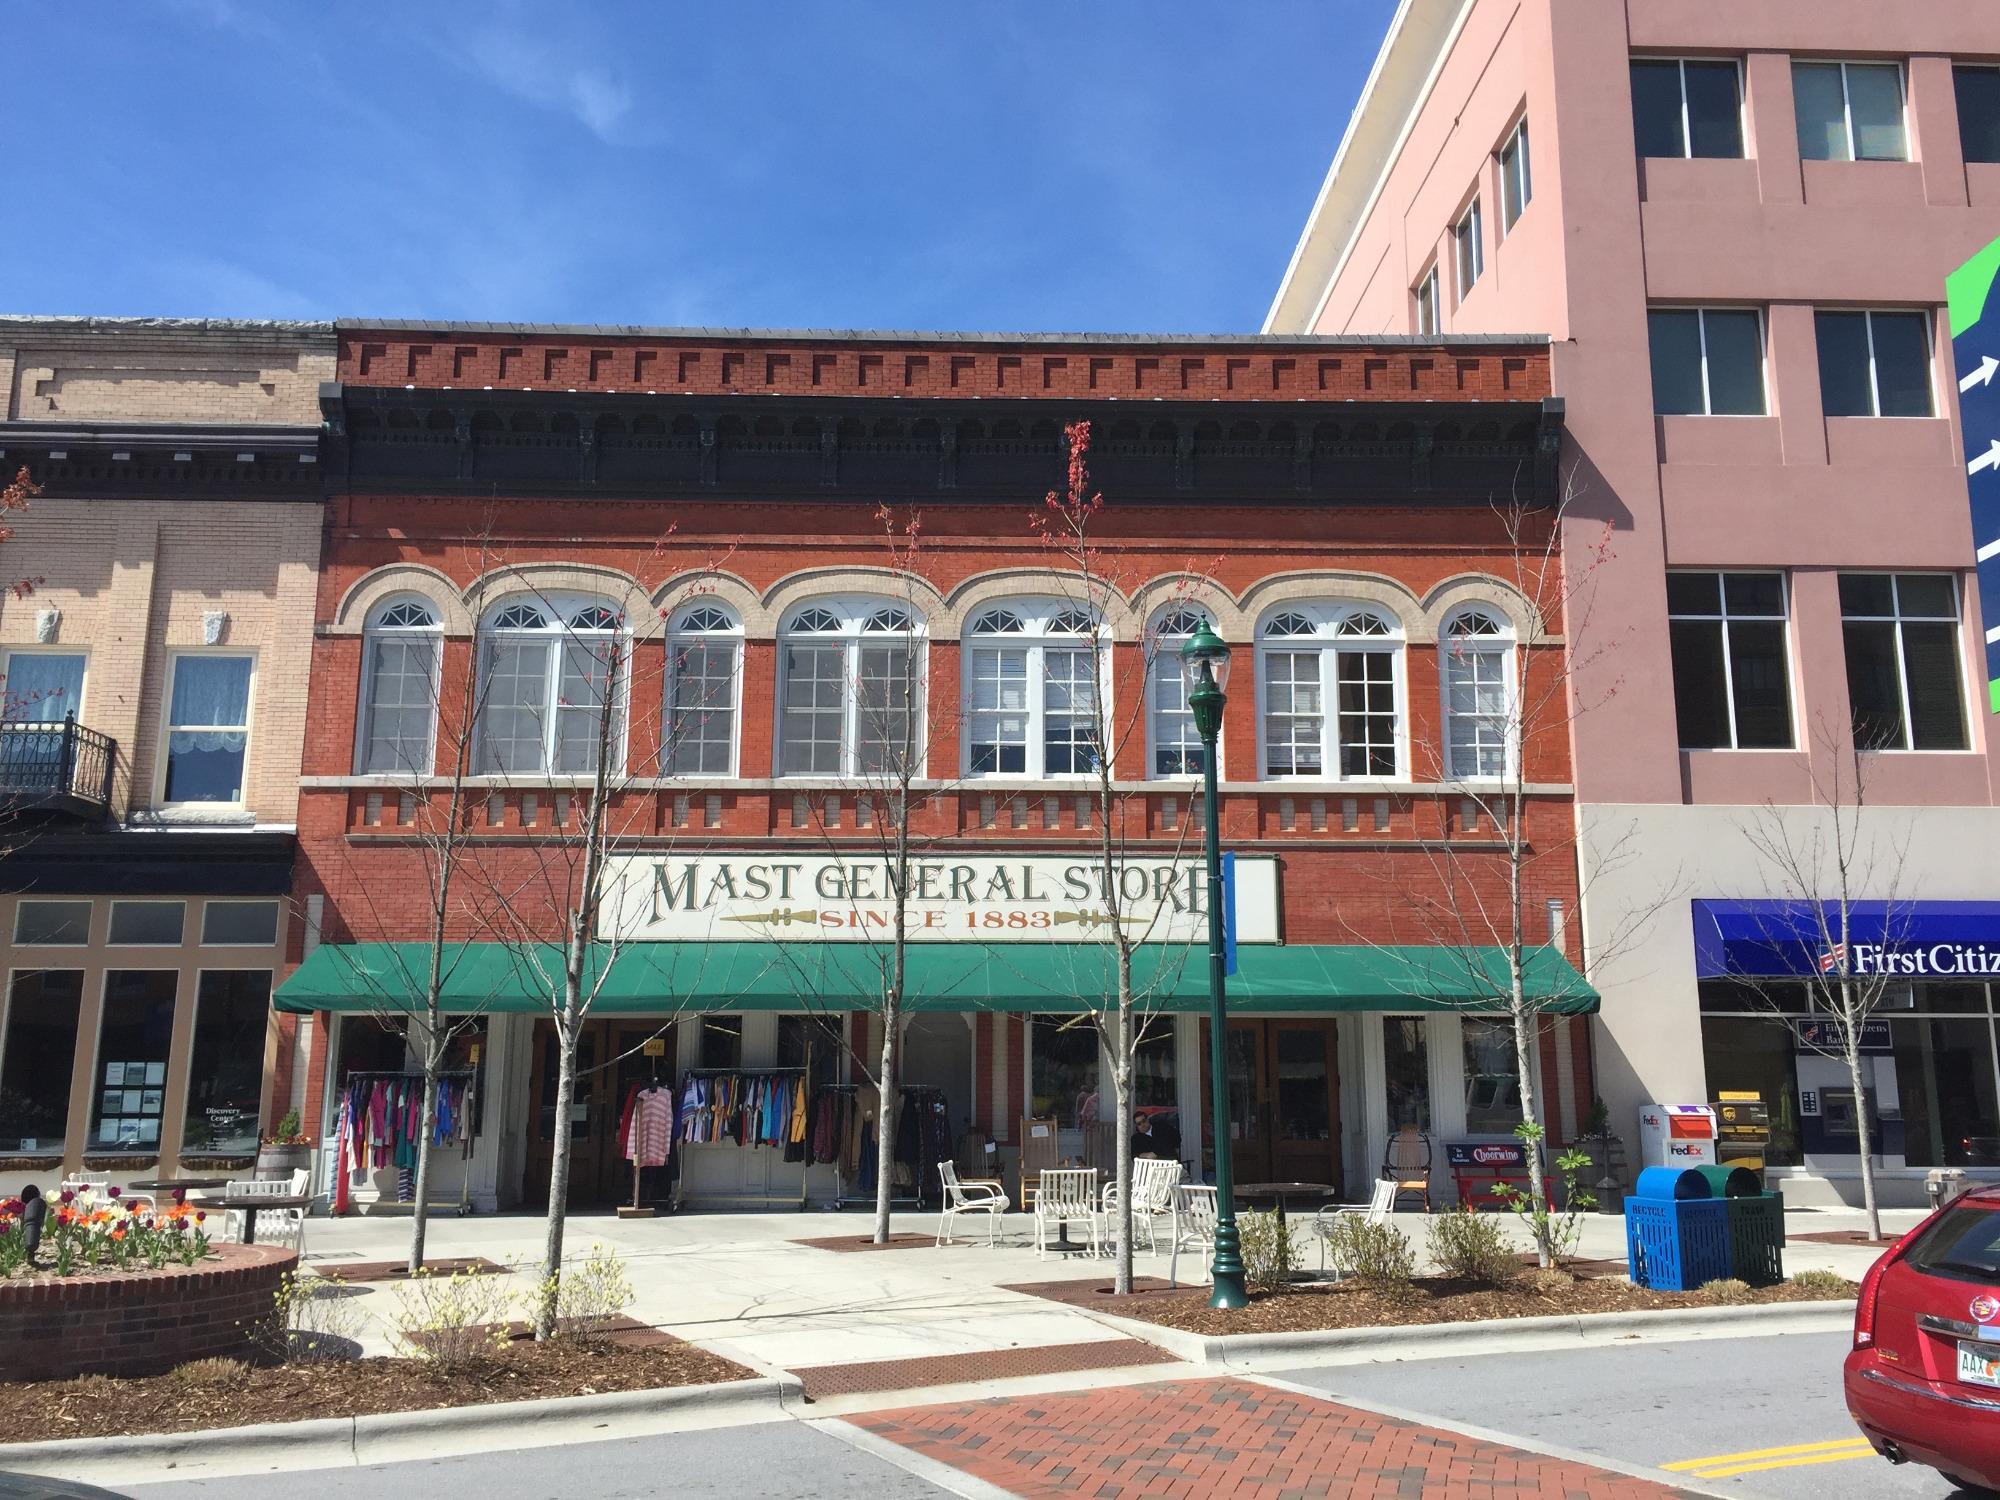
(552, 1246)
(1851, 1035)
(420, 1210)
(885, 1126)
(1524, 1061)
(1121, 1169)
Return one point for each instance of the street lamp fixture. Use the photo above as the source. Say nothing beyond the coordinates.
(1205, 668)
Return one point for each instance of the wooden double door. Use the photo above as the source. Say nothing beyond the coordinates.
(1284, 1100)
(611, 1056)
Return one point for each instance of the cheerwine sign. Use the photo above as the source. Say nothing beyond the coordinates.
(954, 898)
(1917, 960)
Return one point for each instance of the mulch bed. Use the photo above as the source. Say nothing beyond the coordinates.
(1844, 1237)
(1428, 1299)
(220, 1394)
(399, 1270)
(860, 1242)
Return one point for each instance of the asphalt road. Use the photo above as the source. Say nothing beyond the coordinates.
(1721, 1400)
(768, 1461)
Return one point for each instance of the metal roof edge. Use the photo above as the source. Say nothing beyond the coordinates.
(932, 336)
(93, 323)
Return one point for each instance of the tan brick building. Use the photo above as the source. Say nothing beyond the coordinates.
(155, 701)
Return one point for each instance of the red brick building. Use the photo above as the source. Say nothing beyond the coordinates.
(1337, 509)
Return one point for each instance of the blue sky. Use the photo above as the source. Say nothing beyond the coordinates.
(1074, 164)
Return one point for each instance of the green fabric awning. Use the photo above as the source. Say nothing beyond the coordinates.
(654, 978)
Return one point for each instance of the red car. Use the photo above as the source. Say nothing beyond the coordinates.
(1923, 1377)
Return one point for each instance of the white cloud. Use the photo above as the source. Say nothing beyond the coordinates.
(525, 67)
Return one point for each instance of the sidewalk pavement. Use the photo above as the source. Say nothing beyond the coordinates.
(741, 1285)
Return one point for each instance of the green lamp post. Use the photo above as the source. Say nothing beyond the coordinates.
(1205, 666)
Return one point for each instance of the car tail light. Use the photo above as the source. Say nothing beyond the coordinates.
(1864, 1304)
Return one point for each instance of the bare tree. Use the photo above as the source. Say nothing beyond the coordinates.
(1104, 727)
(1512, 697)
(1827, 860)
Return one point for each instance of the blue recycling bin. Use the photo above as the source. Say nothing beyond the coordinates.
(1676, 1236)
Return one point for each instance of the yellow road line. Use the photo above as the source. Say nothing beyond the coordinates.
(1730, 1458)
(1839, 1456)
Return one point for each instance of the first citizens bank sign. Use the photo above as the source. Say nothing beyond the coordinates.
(952, 898)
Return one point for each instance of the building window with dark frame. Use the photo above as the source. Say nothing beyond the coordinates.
(1707, 361)
(226, 1065)
(1874, 364)
(1492, 1076)
(1517, 178)
(1063, 1071)
(1687, 107)
(1468, 248)
(1978, 90)
(37, 1056)
(134, 1038)
(1849, 111)
(1905, 683)
(1732, 683)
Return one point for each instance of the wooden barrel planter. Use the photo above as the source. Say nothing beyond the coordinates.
(138, 1322)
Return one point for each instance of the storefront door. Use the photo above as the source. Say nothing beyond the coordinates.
(610, 1057)
(1284, 1101)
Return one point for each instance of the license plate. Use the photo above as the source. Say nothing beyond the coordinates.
(1979, 1364)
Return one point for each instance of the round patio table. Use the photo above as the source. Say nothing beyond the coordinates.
(250, 1208)
(181, 1185)
(1279, 1192)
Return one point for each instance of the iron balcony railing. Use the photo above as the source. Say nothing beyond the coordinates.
(56, 763)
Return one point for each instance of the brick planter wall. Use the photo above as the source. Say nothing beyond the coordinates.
(138, 1322)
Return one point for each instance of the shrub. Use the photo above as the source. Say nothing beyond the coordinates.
(1830, 1286)
(312, 1320)
(1728, 1291)
(210, 1374)
(1375, 1254)
(1547, 1281)
(590, 1294)
(1270, 1251)
(1468, 1246)
(453, 1321)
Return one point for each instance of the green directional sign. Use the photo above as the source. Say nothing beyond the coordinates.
(1975, 348)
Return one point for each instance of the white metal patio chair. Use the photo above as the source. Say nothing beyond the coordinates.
(976, 1197)
(1155, 1181)
(270, 1221)
(1194, 1227)
(1067, 1195)
(1376, 1210)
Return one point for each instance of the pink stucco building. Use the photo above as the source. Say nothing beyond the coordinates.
(1735, 222)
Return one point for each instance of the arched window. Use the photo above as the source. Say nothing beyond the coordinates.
(1477, 647)
(1176, 747)
(704, 659)
(399, 682)
(1348, 656)
(549, 668)
(850, 679)
(1031, 691)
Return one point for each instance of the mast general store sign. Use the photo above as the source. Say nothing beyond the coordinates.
(951, 899)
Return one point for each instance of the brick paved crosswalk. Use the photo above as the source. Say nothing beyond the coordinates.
(1229, 1438)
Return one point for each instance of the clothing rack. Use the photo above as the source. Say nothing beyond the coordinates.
(842, 1197)
(637, 1208)
(470, 1077)
(681, 1191)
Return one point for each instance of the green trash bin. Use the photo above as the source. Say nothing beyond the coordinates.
(1730, 1182)
(1757, 1237)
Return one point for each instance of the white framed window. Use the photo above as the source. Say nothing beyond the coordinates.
(1905, 678)
(1426, 294)
(1850, 111)
(402, 648)
(704, 667)
(1874, 364)
(1173, 746)
(208, 727)
(850, 686)
(1477, 647)
(1468, 248)
(1707, 361)
(1031, 690)
(1687, 107)
(42, 686)
(1517, 177)
(548, 667)
(1331, 679)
